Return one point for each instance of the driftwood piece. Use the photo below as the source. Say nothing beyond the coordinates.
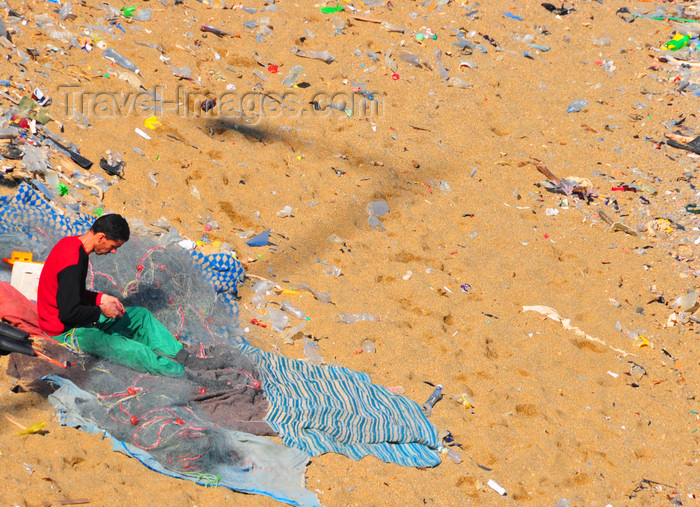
(539, 165)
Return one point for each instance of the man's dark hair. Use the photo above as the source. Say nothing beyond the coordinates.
(115, 227)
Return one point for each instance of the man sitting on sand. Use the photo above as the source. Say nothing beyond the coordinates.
(98, 323)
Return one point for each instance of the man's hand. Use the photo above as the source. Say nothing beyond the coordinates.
(111, 307)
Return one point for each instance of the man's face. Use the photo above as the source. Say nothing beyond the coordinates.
(106, 246)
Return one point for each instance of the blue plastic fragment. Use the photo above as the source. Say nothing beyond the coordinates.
(43, 189)
(118, 25)
(261, 239)
(512, 16)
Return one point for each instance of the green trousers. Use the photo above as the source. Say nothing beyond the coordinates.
(137, 340)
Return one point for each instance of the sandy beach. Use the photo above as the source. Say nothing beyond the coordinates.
(472, 235)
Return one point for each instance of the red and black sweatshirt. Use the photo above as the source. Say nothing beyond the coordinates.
(62, 301)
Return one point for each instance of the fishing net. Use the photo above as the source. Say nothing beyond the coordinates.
(167, 281)
(183, 423)
(158, 415)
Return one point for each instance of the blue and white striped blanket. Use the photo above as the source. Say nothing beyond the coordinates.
(333, 409)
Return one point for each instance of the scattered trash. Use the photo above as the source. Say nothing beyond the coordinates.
(332, 271)
(27, 430)
(496, 487)
(293, 310)
(311, 352)
(377, 208)
(451, 455)
(636, 371)
(215, 31)
(376, 224)
(32, 429)
(324, 56)
(430, 402)
(142, 134)
(152, 122)
(679, 41)
(368, 347)
(323, 297)
(224, 61)
(577, 105)
(122, 61)
(566, 323)
(331, 9)
(261, 239)
(559, 11)
(687, 302)
(351, 318)
(113, 165)
(293, 76)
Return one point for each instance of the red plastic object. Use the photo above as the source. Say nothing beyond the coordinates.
(20, 122)
(257, 323)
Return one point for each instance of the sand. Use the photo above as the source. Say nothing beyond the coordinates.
(555, 415)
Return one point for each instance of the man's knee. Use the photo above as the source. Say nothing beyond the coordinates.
(137, 312)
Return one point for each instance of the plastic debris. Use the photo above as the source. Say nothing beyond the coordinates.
(496, 487)
(293, 310)
(261, 239)
(113, 56)
(577, 105)
(368, 347)
(331, 9)
(293, 76)
(311, 352)
(323, 297)
(432, 400)
(324, 56)
(32, 429)
(377, 208)
(351, 318)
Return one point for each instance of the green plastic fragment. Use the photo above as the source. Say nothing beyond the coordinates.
(663, 18)
(333, 9)
(99, 211)
(62, 189)
(127, 12)
(678, 42)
